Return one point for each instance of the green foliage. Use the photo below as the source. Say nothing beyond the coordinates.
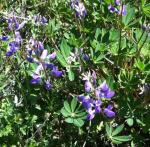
(73, 113)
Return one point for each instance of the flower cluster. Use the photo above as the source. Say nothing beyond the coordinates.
(96, 97)
(38, 55)
(117, 8)
(79, 8)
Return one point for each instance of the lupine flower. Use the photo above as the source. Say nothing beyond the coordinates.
(52, 56)
(88, 86)
(108, 111)
(123, 10)
(112, 9)
(4, 38)
(13, 47)
(80, 10)
(104, 91)
(18, 37)
(86, 57)
(55, 72)
(36, 79)
(73, 3)
(48, 85)
(40, 20)
(13, 23)
(117, 2)
(91, 114)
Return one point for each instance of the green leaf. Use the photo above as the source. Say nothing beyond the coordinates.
(108, 130)
(130, 121)
(73, 104)
(67, 107)
(71, 75)
(65, 48)
(69, 120)
(118, 130)
(122, 138)
(129, 16)
(98, 32)
(64, 112)
(116, 141)
(146, 9)
(78, 122)
(61, 59)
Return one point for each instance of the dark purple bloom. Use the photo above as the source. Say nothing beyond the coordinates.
(108, 111)
(87, 86)
(81, 98)
(55, 72)
(49, 65)
(97, 104)
(86, 57)
(4, 38)
(13, 47)
(112, 9)
(87, 103)
(36, 79)
(48, 85)
(104, 91)
(44, 20)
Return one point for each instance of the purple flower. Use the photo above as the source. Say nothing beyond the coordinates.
(91, 114)
(36, 79)
(13, 47)
(86, 57)
(79, 8)
(117, 2)
(97, 104)
(108, 111)
(4, 38)
(13, 23)
(87, 86)
(52, 56)
(87, 103)
(48, 85)
(112, 9)
(55, 72)
(123, 10)
(104, 91)
(40, 20)
(18, 38)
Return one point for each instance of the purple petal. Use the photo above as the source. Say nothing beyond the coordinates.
(109, 113)
(110, 94)
(88, 86)
(104, 87)
(55, 72)
(48, 85)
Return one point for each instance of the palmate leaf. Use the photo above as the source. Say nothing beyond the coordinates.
(64, 112)
(73, 104)
(122, 138)
(61, 59)
(69, 120)
(67, 106)
(118, 130)
(71, 75)
(130, 121)
(108, 130)
(65, 48)
(78, 122)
